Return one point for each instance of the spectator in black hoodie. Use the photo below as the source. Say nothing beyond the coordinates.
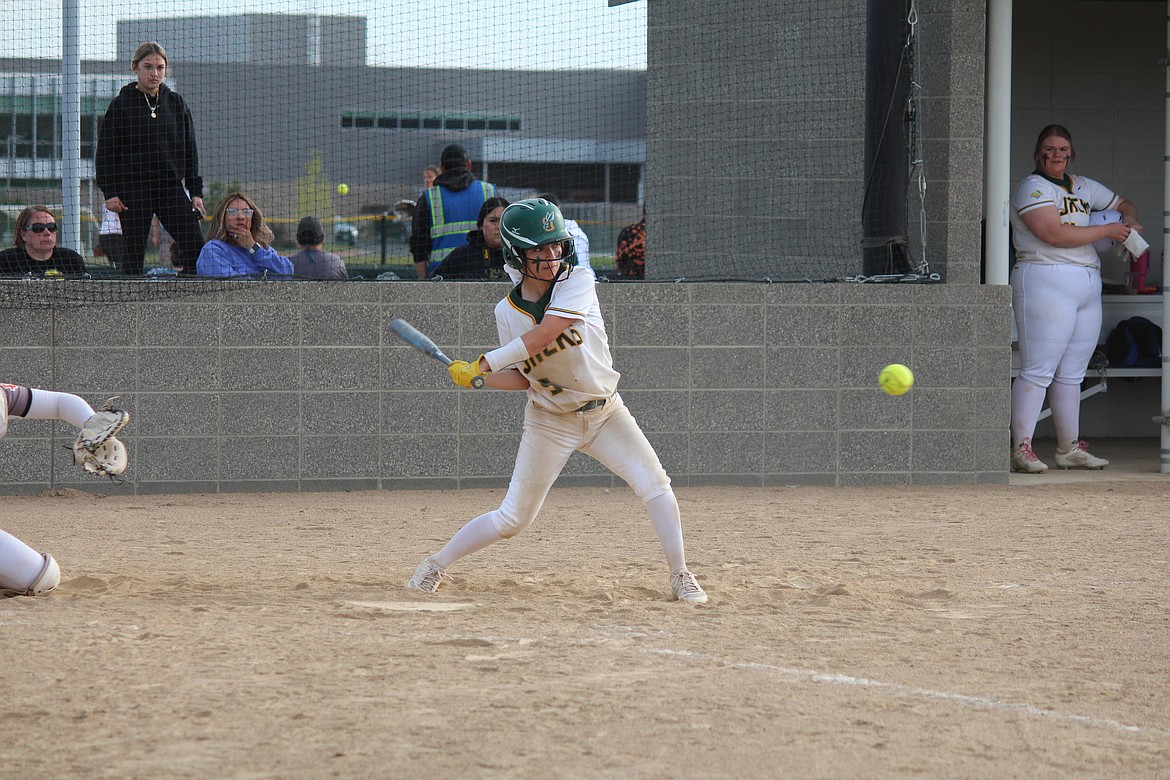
(482, 257)
(147, 163)
(436, 231)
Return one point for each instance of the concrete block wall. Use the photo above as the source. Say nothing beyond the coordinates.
(288, 386)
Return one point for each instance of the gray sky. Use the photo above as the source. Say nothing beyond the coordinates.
(552, 35)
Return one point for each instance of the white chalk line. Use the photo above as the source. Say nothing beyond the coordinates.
(966, 700)
(977, 702)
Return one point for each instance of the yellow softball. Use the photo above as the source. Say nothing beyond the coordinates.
(342, 189)
(896, 379)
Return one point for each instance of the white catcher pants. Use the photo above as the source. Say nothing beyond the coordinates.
(609, 435)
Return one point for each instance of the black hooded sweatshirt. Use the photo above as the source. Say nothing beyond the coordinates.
(136, 151)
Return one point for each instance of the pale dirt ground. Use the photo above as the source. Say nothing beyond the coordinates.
(959, 632)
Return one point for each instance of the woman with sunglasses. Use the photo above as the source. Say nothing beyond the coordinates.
(240, 243)
(147, 163)
(36, 251)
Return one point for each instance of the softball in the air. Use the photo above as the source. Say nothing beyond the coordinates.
(896, 379)
(342, 189)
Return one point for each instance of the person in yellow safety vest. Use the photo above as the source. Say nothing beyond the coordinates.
(446, 212)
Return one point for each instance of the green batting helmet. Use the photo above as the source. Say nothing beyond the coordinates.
(530, 224)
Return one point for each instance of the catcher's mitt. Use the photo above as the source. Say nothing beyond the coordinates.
(108, 459)
(102, 425)
(95, 449)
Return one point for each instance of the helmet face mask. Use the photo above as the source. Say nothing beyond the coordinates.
(531, 224)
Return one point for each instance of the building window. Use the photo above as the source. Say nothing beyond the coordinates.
(30, 126)
(47, 136)
(366, 120)
(20, 142)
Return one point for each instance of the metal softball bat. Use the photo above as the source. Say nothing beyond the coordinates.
(423, 343)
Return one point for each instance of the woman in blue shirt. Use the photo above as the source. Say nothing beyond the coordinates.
(240, 243)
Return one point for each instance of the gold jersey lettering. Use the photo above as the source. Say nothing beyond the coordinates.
(570, 338)
(567, 339)
(1073, 205)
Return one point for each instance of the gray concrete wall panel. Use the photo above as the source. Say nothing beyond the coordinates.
(737, 384)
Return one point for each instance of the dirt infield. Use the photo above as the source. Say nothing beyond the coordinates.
(974, 632)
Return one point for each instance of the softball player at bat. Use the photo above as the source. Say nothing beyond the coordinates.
(23, 570)
(1056, 296)
(555, 347)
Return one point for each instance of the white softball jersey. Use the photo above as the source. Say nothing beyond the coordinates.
(577, 367)
(1074, 205)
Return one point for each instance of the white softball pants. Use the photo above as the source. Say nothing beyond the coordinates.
(1057, 309)
(610, 435)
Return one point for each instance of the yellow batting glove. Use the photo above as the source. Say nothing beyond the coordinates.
(466, 374)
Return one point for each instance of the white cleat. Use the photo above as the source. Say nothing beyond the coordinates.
(686, 588)
(1025, 461)
(1079, 457)
(427, 577)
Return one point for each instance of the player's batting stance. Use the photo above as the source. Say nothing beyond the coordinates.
(23, 570)
(556, 348)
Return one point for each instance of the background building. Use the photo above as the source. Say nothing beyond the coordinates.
(277, 98)
(277, 39)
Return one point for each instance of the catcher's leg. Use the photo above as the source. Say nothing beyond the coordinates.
(24, 571)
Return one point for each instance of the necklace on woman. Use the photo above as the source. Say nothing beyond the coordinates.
(154, 108)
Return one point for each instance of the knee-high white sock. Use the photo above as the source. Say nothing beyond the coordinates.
(19, 563)
(473, 537)
(51, 405)
(667, 523)
(1027, 401)
(1066, 414)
